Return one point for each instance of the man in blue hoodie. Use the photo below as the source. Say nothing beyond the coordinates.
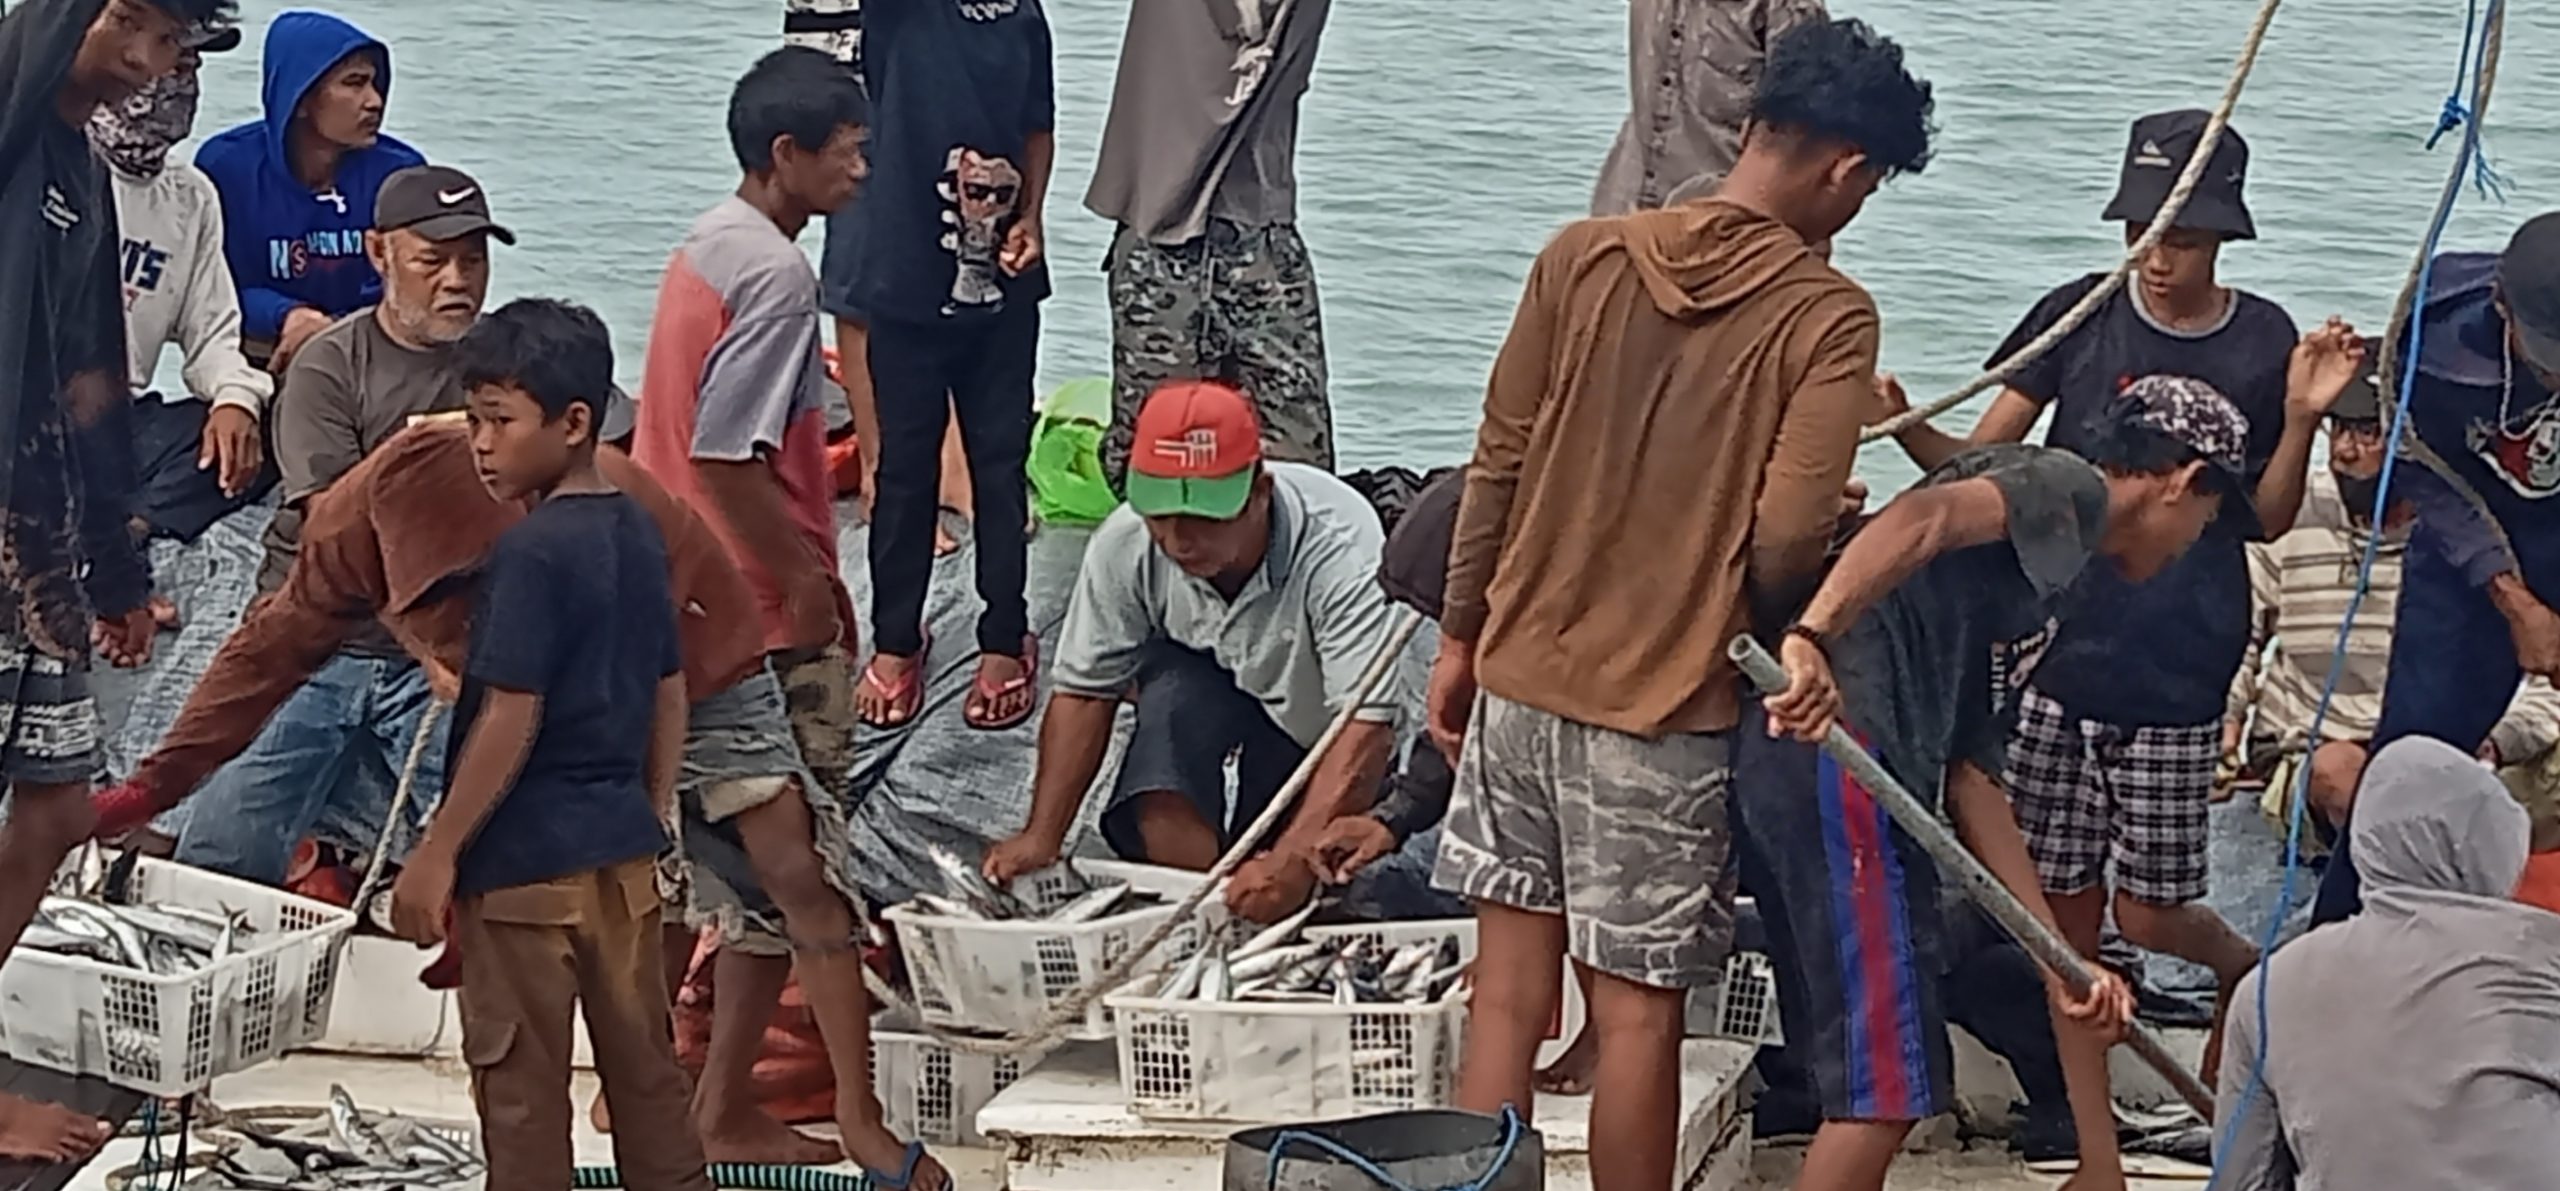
(2481, 464)
(298, 186)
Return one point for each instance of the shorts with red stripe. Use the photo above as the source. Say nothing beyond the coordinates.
(1850, 904)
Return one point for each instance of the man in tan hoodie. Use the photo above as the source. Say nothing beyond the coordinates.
(1667, 434)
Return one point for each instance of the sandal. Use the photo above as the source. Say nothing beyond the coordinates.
(903, 695)
(906, 1176)
(984, 695)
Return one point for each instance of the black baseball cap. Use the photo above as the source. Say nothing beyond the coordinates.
(438, 202)
(2195, 414)
(211, 37)
(2157, 153)
(2529, 285)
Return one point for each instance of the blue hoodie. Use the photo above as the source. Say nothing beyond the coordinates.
(287, 246)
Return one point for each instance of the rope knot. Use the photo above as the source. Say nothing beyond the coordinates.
(2450, 118)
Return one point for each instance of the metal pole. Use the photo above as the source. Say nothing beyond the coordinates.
(1969, 874)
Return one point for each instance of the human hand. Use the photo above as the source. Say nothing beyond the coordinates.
(1024, 245)
(1451, 697)
(1026, 852)
(300, 324)
(2105, 1010)
(122, 809)
(423, 897)
(2323, 365)
(1891, 400)
(230, 448)
(125, 640)
(1348, 845)
(442, 681)
(2535, 628)
(1853, 499)
(1270, 887)
(1811, 702)
(2231, 728)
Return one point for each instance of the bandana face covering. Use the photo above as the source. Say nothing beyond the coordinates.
(135, 136)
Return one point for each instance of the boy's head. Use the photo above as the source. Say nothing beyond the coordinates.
(2357, 443)
(2156, 152)
(1195, 474)
(538, 374)
(800, 118)
(132, 42)
(1837, 115)
(2174, 451)
(2529, 296)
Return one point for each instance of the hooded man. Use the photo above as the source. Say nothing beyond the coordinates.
(1702, 373)
(298, 185)
(2417, 1045)
(63, 462)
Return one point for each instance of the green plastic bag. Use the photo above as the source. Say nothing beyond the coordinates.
(1067, 483)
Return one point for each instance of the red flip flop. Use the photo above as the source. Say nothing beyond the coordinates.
(984, 694)
(904, 694)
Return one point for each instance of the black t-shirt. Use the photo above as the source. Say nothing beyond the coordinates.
(1915, 671)
(574, 607)
(2162, 652)
(957, 87)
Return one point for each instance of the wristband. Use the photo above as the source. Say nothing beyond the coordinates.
(1812, 636)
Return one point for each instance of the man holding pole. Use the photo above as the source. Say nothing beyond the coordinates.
(1899, 641)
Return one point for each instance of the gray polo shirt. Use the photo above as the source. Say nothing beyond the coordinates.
(1299, 634)
(1204, 115)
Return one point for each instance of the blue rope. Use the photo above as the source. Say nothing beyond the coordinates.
(2455, 115)
(1512, 1129)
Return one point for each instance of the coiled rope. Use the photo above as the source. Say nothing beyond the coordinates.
(2079, 313)
(2408, 312)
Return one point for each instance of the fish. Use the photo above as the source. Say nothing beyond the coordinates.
(943, 907)
(1092, 904)
(1250, 966)
(160, 939)
(967, 895)
(1281, 966)
(1279, 932)
(962, 882)
(354, 1134)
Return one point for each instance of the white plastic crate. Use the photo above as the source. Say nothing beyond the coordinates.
(1252, 1062)
(1002, 977)
(932, 1091)
(1745, 1006)
(172, 1035)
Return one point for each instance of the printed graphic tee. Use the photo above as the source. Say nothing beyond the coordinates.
(957, 88)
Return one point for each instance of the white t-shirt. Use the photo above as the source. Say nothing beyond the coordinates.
(1298, 636)
(177, 288)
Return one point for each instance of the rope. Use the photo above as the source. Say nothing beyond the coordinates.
(2408, 312)
(400, 798)
(2160, 224)
(1066, 1014)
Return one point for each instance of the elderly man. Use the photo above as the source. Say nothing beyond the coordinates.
(1240, 599)
(333, 746)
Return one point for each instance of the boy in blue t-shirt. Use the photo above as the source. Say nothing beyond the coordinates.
(541, 860)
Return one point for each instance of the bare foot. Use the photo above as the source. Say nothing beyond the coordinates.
(600, 1116)
(891, 691)
(33, 1131)
(879, 1152)
(1003, 694)
(751, 1137)
(944, 545)
(1570, 1074)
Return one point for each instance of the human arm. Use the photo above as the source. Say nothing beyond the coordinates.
(1414, 801)
(666, 746)
(2266, 600)
(314, 428)
(2323, 364)
(209, 330)
(1075, 734)
(1988, 828)
(1798, 511)
(493, 752)
(2008, 419)
(2252, 1154)
(1026, 240)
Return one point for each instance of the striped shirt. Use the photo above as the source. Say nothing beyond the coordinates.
(2300, 586)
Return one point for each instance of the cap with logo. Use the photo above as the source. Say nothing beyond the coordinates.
(2157, 153)
(1195, 452)
(2196, 415)
(2529, 285)
(438, 202)
(211, 37)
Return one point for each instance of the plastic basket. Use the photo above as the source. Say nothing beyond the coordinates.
(1745, 1006)
(932, 1091)
(1003, 976)
(1252, 1062)
(172, 1035)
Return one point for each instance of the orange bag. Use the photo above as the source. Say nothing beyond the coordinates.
(793, 1081)
(2541, 884)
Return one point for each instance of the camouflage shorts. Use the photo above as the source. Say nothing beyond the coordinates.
(741, 754)
(1625, 837)
(1236, 304)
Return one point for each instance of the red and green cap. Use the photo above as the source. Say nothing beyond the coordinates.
(1197, 446)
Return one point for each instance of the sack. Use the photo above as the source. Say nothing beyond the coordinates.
(1068, 486)
(1416, 1150)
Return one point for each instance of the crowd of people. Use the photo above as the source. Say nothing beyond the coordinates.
(629, 612)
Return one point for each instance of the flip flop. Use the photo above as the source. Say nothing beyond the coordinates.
(904, 694)
(905, 1177)
(985, 695)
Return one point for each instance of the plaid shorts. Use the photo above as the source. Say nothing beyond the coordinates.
(2083, 790)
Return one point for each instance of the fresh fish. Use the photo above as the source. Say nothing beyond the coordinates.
(44, 936)
(943, 907)
(1091, 905)
(116, 887)
(1217, 981)
(963, 882)
(1253, 966)
(354, 1134)
(1278, 932)
(1184, 979)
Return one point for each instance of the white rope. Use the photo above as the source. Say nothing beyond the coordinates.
(1069, 1012)
(400, 799)
(2160, 224)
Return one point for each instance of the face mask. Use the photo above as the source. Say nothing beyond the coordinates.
(2358, 493)
(135, 136)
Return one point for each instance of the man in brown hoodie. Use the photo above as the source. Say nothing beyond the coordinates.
(1668, 428)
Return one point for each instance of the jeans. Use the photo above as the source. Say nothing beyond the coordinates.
(329, 762)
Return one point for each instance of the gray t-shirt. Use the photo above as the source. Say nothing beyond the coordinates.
(1299, 634)
(1915, 672)
(1204, 116)
(349, 390)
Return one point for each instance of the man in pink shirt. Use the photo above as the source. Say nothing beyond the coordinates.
(732, 420)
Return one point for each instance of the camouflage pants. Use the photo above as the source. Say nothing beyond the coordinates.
(1625, 837)
(1236, 304)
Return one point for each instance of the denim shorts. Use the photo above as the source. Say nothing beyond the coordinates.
(740, 755)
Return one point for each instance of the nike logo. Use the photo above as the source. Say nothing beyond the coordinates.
(450, 197)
